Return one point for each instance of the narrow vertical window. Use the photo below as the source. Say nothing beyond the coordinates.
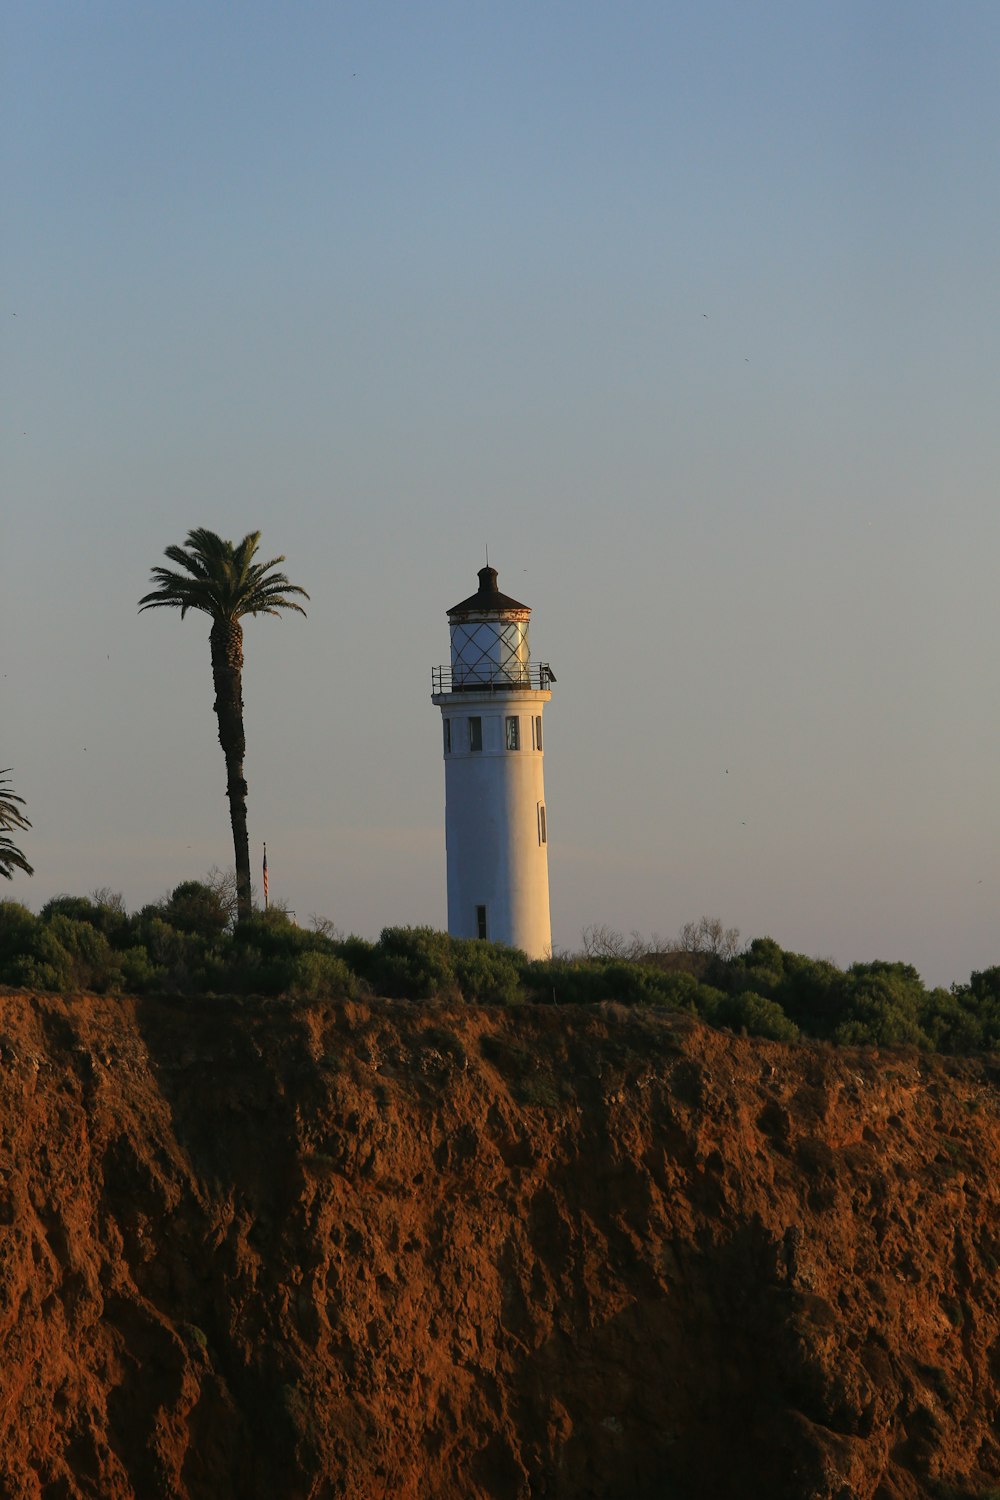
(475, 733)
(543, 837)
(480, 921)
(538, 732)
(513, 733)
(447, 736)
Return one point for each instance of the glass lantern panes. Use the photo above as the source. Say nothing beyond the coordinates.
(489, 652)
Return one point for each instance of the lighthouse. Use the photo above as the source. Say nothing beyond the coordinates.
(492, 699)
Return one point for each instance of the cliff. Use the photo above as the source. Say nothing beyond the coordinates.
(251, 1249)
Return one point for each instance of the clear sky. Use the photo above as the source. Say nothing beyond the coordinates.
(688, 310)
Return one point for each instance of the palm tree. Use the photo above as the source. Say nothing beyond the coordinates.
(224, 581)
(11, 816)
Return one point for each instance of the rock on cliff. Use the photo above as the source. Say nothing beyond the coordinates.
(255, 1249)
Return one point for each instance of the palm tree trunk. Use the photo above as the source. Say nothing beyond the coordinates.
(227, 673)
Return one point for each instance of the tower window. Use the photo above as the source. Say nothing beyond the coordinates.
(481, 922)
(447, 736)
(536, 733)
(513, 733)
(475, 733)
(543, 837)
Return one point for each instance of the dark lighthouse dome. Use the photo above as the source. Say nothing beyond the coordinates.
(489, 599)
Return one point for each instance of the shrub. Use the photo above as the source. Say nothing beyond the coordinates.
(419, 963)
(589, 981)
(140, 976)
(682, 991)
(321, 976)
(47, 966)
(755, 1015)
(196, 909)
(412, 963)
(59, 954)
(106, 914)
(809, 991)
(19, 930)
(974, 1016)
(93, 963)
(763, 963)
(560, 981)
(487, 972)
(358, 954)
(273, 935)
(952, 1022)
(182, 961)
(881, 1006)
(269, 954)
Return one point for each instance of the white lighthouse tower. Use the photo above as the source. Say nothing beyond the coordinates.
(491, 699)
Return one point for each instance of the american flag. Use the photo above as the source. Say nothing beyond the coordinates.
(265, 877)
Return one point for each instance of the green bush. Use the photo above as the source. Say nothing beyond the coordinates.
(881, 1006)
(47, 967)
(140, 976)
(755, 1015)
(763, 965)
(487, 973)
(107, 915)
(412, 963)
(94, 964)
(179, 960)
(588, 981)
(358, 954)
(59, 954)
(967, 1018)
(681, 991)
(565, 981)
(19, 931)
(273, 935)
(420, 963)
(321, 976)
(196, 909)
(809, 991)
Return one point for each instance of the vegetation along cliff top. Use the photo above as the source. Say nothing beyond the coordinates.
(190, 944)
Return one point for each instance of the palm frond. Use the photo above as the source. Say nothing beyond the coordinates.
(224, 580)
(12, 859)
(11, 815)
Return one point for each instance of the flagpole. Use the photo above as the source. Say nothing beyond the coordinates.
(265, 876)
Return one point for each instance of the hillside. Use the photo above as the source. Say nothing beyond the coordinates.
(255, 1249)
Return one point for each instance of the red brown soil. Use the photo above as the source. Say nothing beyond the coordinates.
(380, 1250)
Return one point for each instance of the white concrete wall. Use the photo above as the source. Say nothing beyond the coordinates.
(492, 798)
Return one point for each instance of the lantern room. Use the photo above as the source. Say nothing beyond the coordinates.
(489, 644)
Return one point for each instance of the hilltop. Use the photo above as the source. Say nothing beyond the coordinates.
(353, 1248)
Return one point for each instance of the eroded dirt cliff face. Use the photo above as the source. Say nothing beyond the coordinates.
(261, 1250)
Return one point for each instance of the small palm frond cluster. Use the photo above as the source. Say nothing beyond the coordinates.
(11, 816)
(223, 579)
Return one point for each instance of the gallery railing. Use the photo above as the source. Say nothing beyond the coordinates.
(489, 679)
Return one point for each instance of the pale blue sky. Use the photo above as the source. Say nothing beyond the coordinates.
(390, 281)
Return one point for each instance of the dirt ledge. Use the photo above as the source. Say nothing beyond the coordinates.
(250, 1249)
